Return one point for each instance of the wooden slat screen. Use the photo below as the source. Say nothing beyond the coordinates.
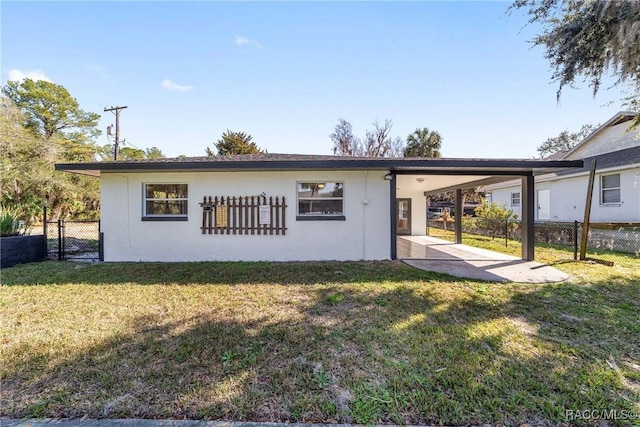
(242, 215)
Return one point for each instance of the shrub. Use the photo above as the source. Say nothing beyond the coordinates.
(10, 224)
(469, 222)
(494, 218)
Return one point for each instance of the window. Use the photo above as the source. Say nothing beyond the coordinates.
(610, 189)
(320, 201)
(165, 202)
(515, 199)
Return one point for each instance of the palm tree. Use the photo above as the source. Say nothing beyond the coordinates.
(423, 143)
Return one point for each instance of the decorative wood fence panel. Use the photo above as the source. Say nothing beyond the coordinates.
(243, 215)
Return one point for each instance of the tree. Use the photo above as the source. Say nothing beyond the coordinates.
(564, 142)
(379, 143)
(344, 142)
(423, 143)
(130, 153)
(231, 143)
(494, 217)
(50, 110)
(427, 143)
(27, 176)
(589, 39)
(154, 153)
(42, 125)
(376, 143)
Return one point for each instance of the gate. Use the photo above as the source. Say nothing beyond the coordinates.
(73, 240)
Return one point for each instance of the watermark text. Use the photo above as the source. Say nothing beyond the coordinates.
(600, 414)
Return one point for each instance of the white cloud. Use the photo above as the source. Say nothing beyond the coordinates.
(168, 84)
(244, 41)
(18, 75)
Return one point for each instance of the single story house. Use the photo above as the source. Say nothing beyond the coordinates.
(561, 195)
(279, 207)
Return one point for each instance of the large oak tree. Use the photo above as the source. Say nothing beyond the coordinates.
(590, 40)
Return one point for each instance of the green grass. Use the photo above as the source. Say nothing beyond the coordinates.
(547, 253)
(365, 342)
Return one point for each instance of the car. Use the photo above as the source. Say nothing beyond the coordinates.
(434, 213)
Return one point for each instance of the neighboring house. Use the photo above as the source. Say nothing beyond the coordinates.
(561, 196)
(335, 208)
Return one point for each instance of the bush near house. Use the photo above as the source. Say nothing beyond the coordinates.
(491, 219)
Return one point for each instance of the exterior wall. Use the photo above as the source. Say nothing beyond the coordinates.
(611, 139)
(502, 196)
(418, 210)
(568, 196)
(363, 235)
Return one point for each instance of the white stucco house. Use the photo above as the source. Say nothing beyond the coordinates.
(278, 207)
(561, 196)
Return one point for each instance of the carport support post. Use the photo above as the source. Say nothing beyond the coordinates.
(394, 216)
(459, 213)
(528, 218)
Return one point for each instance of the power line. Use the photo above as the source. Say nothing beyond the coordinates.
(116, 111)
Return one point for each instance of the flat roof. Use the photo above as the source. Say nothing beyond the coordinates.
(284, 162)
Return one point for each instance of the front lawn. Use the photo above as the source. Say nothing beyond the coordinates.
(316, 342)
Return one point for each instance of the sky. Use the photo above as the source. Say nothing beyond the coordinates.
(285, 72)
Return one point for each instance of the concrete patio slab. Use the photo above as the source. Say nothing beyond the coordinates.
(432, 254)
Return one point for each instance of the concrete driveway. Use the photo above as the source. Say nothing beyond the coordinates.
(432, 254)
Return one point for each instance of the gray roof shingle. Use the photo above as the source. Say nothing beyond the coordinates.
(624, 157)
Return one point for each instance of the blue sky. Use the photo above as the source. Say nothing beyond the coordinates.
(284, 72)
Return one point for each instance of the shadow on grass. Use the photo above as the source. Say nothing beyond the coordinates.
(231, 273)
(404, 352)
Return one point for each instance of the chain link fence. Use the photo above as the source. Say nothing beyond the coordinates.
(606, 240)
(73, 240)
(559, 240)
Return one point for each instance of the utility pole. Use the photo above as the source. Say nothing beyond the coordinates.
(116, 111)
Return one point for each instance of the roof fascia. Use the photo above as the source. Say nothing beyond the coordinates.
(423, 166)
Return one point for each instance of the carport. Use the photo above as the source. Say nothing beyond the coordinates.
(414, 177)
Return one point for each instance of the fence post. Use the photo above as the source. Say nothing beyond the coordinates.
(575, 240)
(101, 246)
(60, 240)
(45, 231)
(100, 241)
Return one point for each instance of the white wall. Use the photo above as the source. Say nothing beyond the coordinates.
(363, 235)
(568, 197)
(418, 209)
(611, 139)
(502, 196)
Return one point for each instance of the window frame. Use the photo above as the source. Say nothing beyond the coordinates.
(603, 189)
(319, 217)
(513, 204)
(164, 217)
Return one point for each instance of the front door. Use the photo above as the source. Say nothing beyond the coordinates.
(544, 204)
(403, 207)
